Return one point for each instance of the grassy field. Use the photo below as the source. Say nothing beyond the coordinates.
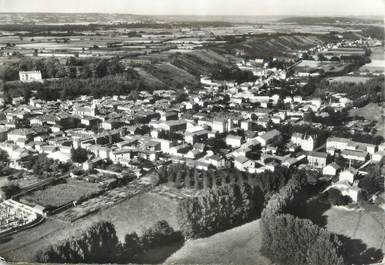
(138, 213)
(60, 194)
(371, 111)
(365, 229)
(377, 53)
(132, 215)
(236, 246)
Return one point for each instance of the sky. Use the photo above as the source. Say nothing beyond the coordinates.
(203, 7)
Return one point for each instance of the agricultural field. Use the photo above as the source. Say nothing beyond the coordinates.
(275, 45)
(239, 245)
(326, 66)
(61, 194)
(172, 75)
(148, 79)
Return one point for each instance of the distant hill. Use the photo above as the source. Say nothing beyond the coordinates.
(329, 20)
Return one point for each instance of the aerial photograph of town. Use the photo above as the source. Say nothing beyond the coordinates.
(242, 132)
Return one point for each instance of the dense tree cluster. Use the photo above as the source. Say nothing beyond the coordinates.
(361, 93)
(219, 209)
(8, 191)
(44, 167)
(290, 240)
(67, 88)
(160, 234)
(100, 244)
(4, 159)
(358, 137)
(373, 182)
(331, 117)
(374, 32)
(336, 198)
(73, 68)
(232, 74)
(79, 155)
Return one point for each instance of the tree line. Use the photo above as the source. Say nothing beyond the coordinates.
(182, 176)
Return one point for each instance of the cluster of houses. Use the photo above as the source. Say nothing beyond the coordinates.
(157, 129)
(222, 125)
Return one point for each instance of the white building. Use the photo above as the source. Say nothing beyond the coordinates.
(306, 142)
(356, 155)
(270, 137)
(377, 157)
(234, 141)
(219, 126)
(331, 169)
(348, 175)
(337, 143)
(30, 76)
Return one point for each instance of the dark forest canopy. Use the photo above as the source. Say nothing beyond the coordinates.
(72, 68)
(68, 88)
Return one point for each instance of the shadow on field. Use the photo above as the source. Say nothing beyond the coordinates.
(5, 239)
(355, 251)
(160, 254)
(310, 204)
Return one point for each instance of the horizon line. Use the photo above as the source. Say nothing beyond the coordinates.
(192, 15)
